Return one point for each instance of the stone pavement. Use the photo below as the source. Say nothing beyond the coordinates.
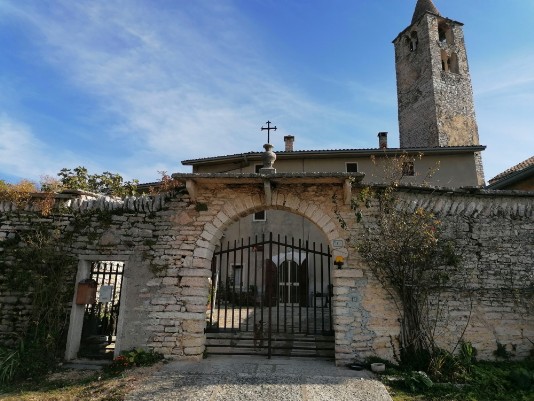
(239, 378)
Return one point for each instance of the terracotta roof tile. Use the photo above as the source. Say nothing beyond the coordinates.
(518, 167)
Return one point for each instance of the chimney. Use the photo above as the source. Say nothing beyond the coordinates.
(382, 140)
(289, 139)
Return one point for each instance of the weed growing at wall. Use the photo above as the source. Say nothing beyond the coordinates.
(37, 268)
(133, 358)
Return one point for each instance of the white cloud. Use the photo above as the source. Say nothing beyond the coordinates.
(21, 153)
(186, 81)
(503, 100)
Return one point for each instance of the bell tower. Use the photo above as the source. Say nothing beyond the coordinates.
(435, 96)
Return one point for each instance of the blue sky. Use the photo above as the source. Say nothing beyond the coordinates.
(135, 87)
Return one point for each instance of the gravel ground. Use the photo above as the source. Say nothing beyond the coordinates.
(239, 378)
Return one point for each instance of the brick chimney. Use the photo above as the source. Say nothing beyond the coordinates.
(289, 139)
(382, 140)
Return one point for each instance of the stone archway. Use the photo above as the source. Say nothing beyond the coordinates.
(223, 199)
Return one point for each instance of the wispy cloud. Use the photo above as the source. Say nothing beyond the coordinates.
(24, 155)
(504, 94)
(186, 80)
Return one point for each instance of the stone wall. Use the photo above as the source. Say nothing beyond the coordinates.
(494, 233)
(167, 243)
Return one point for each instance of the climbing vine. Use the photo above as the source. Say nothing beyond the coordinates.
(408, 253)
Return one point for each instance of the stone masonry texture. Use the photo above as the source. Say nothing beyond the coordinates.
(167, 242)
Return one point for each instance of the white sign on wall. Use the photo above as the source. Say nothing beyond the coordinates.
(105, 293)
(338, 243)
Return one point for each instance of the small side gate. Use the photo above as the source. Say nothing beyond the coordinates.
(272, 296)
(100, 318)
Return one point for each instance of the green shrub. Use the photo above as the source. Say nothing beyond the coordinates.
(129, 359)
(522, 378)
(10, 361)
(502, 352)
(417, 381)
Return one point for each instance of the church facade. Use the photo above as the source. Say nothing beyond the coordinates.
(439, 143)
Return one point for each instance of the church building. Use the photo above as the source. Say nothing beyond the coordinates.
(439, 146)
(436, 117)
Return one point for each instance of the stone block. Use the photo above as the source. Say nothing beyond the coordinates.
(194, 350)
(193, 326)
(186, 272)
(193, 342)
(201, 282)
(347, 273)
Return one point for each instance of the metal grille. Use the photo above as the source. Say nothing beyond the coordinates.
(100, 318)
(274, 288)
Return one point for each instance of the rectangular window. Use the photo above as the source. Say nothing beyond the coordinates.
(237, 276)
(257, 168)
(408, 169)
(260, 216)
(351, 167)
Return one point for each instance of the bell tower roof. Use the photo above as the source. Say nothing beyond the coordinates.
(423, 7)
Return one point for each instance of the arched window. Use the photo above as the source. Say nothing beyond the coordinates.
(445, 33)
(449, 63)
(414, 41)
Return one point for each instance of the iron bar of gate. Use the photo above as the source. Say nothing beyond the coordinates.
(269, 352)
(213, 288)
(109, 305)
(249, 290)
(226, 282)
(294, 280)
(304, 280)
(220, 289)
(330, 290)
(307, 284)
(283, 276)
(322, 288)
(263, 281)
(314, 290)
(256, 279)
(232, 286)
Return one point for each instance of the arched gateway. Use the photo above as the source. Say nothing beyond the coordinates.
(270, 293)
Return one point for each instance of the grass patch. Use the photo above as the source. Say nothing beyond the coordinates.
(71, 384)
(486, 381)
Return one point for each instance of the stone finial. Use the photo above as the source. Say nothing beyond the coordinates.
(268, 157)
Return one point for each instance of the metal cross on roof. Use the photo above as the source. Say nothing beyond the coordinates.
(269, 128)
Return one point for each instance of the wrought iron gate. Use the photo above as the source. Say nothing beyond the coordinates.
(271, 295)
(100, 318)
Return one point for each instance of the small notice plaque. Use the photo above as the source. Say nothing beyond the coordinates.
(338, 243)
(105, 293)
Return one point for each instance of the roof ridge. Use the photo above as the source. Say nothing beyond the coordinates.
(514, 169)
